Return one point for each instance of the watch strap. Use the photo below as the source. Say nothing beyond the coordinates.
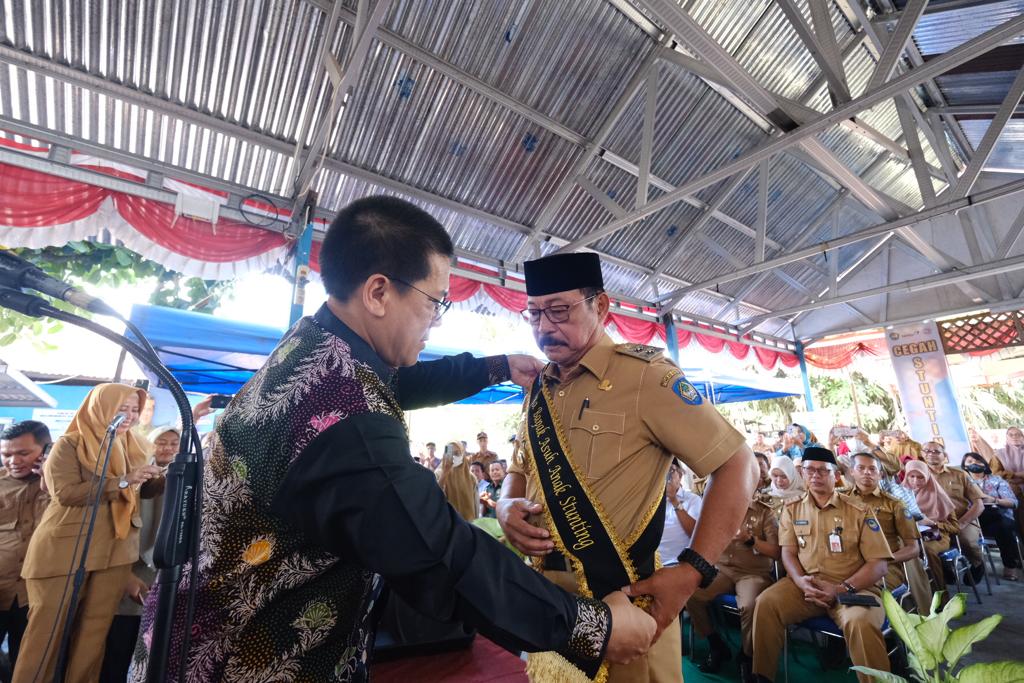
(849, 587)
(707, 570)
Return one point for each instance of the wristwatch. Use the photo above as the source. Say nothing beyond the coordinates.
(123, 483)
(707, 570)
(849, 587)
(749, 542)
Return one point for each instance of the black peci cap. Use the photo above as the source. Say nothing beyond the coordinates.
(563, 273)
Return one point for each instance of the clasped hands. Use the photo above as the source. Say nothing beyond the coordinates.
(633, 629)
(817, 591)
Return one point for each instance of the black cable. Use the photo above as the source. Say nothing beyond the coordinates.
(267, 220)
(65, 638)
(71, 566)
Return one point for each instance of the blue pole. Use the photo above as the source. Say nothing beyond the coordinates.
(302, 250)
(808, 399)
(670, 337)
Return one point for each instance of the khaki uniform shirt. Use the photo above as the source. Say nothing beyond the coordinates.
(640, 412)
(485, 458)
(960, 487)
(807, 527)
(22, 502)
(896, 522)
(761, 522)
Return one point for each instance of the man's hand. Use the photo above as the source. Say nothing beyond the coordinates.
(815, 591)
(528, 539)
(524, 369)
(672, 491)
(670, 587)
(633, 630)
(136, 589)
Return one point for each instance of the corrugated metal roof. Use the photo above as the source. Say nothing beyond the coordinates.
(494, 118)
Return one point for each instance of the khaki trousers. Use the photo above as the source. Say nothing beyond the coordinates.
(932, 550)
(97, 602)
(970, 543)
(913, 574)
(746, 587)
(783, 603)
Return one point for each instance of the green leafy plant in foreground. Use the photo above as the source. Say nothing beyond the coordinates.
(934, 650)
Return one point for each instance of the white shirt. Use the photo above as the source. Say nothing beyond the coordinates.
(674, 539)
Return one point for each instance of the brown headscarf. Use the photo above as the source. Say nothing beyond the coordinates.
(458, 483)
(129, 452)
(980, 446)
(935, 503)
(1011, 456)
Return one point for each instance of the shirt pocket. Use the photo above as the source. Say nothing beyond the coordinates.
(596, 440)
(8, 515)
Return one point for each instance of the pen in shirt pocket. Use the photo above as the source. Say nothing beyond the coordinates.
(584, 406)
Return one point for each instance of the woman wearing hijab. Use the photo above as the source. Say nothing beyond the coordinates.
(1009, 464)
(787, 485)
(54, 553)
(457, 482)
(937, 508)
(980, 446)
(796, 439)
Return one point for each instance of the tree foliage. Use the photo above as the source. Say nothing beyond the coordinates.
(106, 265)
(876, 404)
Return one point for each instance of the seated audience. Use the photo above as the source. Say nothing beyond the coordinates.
(492, 494)
(967, 503)
(787, 485)
(53, 553)
(795, 440)
(901, 448)
(760, 445)
(997, 518)
(455, 477)
(832, 546)
(898, 527)
(745, 569)
(23, 448)
(480, 475)
(682, 508)
(764, 466)
(1009, 464)
(980, 446)
(938, 510)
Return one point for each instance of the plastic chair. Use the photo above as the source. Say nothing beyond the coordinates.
(959, 566)
(824, 626)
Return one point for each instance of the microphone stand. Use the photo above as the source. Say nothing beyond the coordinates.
(178, 534)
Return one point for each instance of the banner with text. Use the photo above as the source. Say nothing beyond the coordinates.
(926, 389)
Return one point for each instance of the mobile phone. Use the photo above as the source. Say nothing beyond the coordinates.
(846, 432)
(220, 401)
(893, 433)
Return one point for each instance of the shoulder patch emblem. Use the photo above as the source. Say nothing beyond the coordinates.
(906, 513)
(686, 391)
(667, 379)
(872, 524)
(641, 351)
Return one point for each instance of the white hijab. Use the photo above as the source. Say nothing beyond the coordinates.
(796, 484)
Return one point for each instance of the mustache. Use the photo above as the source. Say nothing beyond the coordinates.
(548, 340)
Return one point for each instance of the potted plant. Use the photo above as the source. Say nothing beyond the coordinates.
(934, 650)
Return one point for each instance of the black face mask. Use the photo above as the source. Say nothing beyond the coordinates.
(975, 469)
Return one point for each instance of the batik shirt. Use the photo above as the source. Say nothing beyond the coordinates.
(311, 501)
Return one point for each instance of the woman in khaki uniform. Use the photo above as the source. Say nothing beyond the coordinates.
(938, 511)
(72, 476)
(457, 482)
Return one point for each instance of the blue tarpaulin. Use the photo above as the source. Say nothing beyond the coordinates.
(210, 355)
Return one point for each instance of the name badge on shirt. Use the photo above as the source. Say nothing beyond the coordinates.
(835, 542)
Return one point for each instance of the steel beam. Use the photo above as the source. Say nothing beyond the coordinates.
(917, 161)
(937, 66)
(826, 57)
(915, 285)
(988, 142)
(897, 41)
(982, 197)
(761, 223)
(647, 133)
(972, 110)
(1014, 237)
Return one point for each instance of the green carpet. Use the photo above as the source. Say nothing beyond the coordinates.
(805, 666)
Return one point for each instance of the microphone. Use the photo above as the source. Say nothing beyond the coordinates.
(17, 272)
(116, 422)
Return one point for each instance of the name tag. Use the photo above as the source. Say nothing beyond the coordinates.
(801, 522)
(835, 543)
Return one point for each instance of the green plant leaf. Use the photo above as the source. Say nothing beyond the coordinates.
(955, 608)
(885, 676)
(915, 666)
(960, 640)
(936, 600)
(932, 633)
(992, 672)
(905, 626)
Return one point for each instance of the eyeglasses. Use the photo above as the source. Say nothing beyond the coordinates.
(932, 450)
(556, 314)
(816, 471)
(441, 306)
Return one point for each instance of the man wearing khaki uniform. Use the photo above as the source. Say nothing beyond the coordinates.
(623, 410)
(832, 546)
(745, 568)
(967, 500)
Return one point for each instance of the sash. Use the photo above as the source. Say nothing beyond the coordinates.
(581, 531)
